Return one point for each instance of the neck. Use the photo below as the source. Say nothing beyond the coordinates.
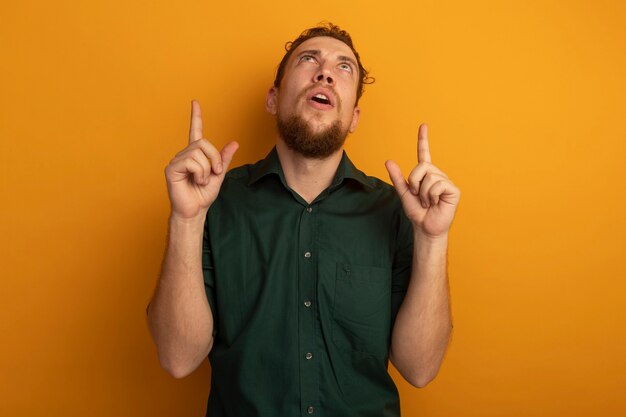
(307, 176)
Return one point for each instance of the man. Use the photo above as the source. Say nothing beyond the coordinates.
(299, 276)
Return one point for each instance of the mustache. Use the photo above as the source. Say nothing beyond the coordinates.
(331, 89)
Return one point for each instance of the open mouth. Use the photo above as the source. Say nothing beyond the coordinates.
(321, 98)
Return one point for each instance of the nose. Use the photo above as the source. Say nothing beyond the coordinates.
(324, 76)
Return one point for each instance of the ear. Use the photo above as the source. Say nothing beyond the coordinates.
(271, 105)
(355, 119)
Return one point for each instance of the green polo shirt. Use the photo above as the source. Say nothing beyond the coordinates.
(304, 296)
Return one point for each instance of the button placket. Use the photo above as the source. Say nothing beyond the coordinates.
(307, 276)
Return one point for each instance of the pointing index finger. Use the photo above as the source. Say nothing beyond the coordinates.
(423, 150)
(195, 127)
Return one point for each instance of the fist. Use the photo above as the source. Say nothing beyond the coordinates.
(428, 196)
(194, 176)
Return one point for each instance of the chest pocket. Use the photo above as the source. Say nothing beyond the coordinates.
(362, 309)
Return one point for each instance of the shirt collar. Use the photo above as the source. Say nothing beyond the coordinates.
(345, 170)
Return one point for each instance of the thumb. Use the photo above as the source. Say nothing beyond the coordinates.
(227, 153)
(395, 174)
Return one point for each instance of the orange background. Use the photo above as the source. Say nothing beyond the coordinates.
(525, 102)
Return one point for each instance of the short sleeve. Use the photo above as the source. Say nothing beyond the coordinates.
(208, 273)
(401, 270)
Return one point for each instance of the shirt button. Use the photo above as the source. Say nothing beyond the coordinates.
(308, 356)
(307, 303)
(307, 254)
(309, 209)
(310, 410)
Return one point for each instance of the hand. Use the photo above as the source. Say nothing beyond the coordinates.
(429, 198)
(196, 173)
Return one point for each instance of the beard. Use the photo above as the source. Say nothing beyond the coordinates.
(299, 137)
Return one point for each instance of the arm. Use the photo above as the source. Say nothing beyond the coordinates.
(423, 325)
(179, 315)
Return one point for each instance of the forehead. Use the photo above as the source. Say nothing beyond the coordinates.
(327, 46)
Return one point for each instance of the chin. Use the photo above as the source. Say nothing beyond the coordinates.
(311, 139)
(317, 128)
(318, 122)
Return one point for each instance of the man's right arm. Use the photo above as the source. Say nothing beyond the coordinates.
(179, 315)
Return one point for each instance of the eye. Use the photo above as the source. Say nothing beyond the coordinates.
(307, 58)
(345, 67)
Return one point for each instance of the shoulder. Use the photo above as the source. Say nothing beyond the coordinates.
(370, 184)
(374, 186)
(376, 183)
(240, 173)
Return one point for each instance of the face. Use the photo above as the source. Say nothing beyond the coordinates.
(318, 89)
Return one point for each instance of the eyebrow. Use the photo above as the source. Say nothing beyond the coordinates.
(314, 52)
(317, 52)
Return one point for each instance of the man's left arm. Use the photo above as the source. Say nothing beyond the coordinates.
(423, 325)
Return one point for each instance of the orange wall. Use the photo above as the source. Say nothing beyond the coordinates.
(525, 103)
